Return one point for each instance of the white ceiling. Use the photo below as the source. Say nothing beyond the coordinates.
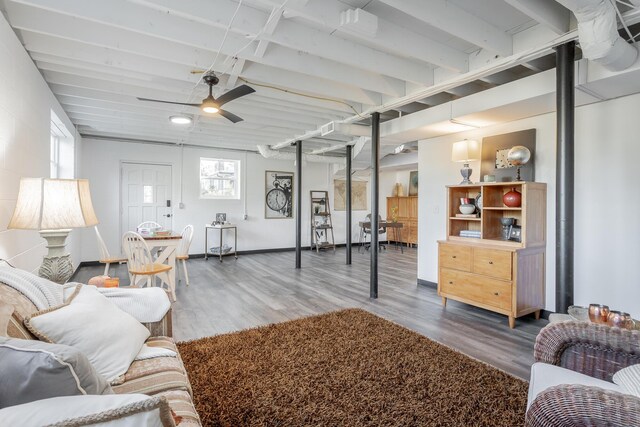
(307, 69)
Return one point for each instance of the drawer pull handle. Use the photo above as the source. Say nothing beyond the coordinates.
(496, 294)
(491, 262)
(454, 256)
(451, 283)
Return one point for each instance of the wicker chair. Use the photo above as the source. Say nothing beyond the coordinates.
(591, 349)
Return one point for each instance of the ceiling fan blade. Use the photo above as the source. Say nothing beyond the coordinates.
(229, 116)
(167, 102)
(234, 93)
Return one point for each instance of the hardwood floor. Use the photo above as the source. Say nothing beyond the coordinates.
(260, 289)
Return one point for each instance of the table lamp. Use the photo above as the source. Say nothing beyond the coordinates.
(465, 151)
(54, 207)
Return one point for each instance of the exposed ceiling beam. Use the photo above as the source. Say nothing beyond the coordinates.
(448, 17)
(269, 28)
(164, 37)
(549, 13)
(412, 108)
(115, 62)
(102, 36)
(390, 37)
(235, 72)
(87, 93)
(131, 91)
(166, 138)
(150, 119)
(295, 36)
(256, 102)
(84, 119)
(131, 87)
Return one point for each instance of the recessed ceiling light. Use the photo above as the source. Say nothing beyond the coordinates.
(180, 120)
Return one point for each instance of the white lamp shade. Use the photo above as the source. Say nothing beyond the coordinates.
(465, 151)
(53, 204)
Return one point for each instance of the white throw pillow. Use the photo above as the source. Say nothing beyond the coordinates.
(88, 321)
(113, 410)
(629, 379)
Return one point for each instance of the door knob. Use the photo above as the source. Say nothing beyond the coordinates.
(167, 215)
(454, 257)
(490, 262)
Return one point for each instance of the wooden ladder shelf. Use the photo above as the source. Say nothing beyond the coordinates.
(321, 223)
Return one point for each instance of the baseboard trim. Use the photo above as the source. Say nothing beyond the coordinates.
(427, 283)
(87, 264)
(544, 314)
(250, 252)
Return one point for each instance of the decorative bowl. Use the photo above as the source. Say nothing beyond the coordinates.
(467, 209)
(506, 222)
(225, 250)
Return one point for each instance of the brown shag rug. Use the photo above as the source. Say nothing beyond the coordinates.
(347, 368)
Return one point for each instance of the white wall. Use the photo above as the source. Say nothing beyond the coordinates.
(605, 194)
(25, 117)
(101, 165)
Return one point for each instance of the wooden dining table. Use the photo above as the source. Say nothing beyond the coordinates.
(165, 247)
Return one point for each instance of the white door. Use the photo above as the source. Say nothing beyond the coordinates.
(145, 195)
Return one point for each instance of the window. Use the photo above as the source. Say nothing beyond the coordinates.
(62, 147)
(147, 194)
(219, 178)
(54, 163)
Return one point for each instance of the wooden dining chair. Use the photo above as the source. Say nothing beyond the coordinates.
(105, 257)
(141, 263)
(182, 255)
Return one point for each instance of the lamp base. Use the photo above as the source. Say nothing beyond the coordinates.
(466, 172)
(56, 265)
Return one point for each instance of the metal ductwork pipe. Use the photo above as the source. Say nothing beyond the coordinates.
(268, 153)
(598, 33)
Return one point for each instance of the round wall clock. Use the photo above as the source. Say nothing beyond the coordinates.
(276, 199)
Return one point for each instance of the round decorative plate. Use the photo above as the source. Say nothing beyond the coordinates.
(479, 201)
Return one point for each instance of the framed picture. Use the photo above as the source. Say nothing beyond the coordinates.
(516, 233)
(221, 218)
(358, 195)
(494, 155)
(413, 183)
(278, 192)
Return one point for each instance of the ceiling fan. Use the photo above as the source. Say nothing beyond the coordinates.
(211, 104)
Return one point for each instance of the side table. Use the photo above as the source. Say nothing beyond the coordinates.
(220, 227)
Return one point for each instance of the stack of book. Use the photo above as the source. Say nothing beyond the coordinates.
(475, 234)
(473, 215)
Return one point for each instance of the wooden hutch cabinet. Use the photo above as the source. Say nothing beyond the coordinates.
(407, 214)
(503, 276)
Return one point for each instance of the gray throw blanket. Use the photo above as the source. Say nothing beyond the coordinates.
(41, 292)
(145, 305)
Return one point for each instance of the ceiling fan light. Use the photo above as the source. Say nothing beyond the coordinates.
(209, 105)
(181, 120)
(210, 109)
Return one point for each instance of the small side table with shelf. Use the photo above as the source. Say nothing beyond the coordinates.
(220, 227)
